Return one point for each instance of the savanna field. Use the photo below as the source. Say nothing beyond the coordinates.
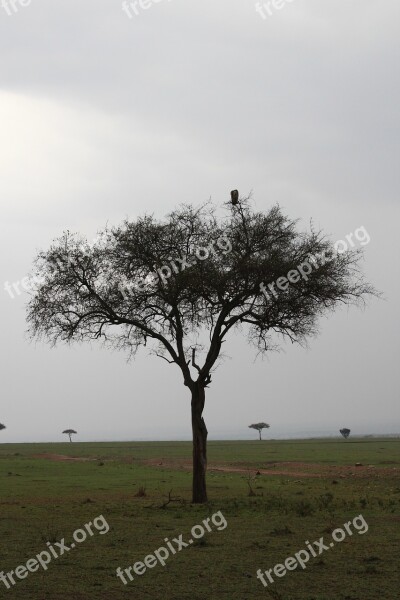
(274, 496)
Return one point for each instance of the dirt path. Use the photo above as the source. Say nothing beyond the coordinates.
(62, 457)
(285, 469)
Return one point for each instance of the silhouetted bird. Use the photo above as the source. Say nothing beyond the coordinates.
(234, 197)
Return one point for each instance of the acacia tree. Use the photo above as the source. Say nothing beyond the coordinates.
(69, 432)
(181, 285)
(345, 432)
(259, 427)
(2, 426)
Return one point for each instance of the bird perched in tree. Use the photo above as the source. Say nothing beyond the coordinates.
(234, 197)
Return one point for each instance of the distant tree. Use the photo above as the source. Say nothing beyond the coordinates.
(180, 286)
(259, 427)
(69, 432)
(2, 426)
(345, 432)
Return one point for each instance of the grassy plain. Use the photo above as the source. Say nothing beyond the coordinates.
(305, 488)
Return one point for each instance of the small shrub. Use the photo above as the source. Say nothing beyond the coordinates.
(324, 501)
(51, 534)
(304, 509)
(141, 493)
(201, 542)
(369, 559)
(283, 531)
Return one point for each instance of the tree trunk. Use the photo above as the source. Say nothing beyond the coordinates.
(259, 431)
(199, 445)
(70, 438)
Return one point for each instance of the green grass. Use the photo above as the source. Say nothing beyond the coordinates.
(43, 500)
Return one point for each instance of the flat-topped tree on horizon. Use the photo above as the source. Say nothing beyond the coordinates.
(259, 427)
(345, 432)
(2, 426)
(69, 432)
(120, 290)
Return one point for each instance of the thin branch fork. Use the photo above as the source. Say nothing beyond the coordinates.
(171, 499)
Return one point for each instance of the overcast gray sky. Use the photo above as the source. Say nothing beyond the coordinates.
(103, 116)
